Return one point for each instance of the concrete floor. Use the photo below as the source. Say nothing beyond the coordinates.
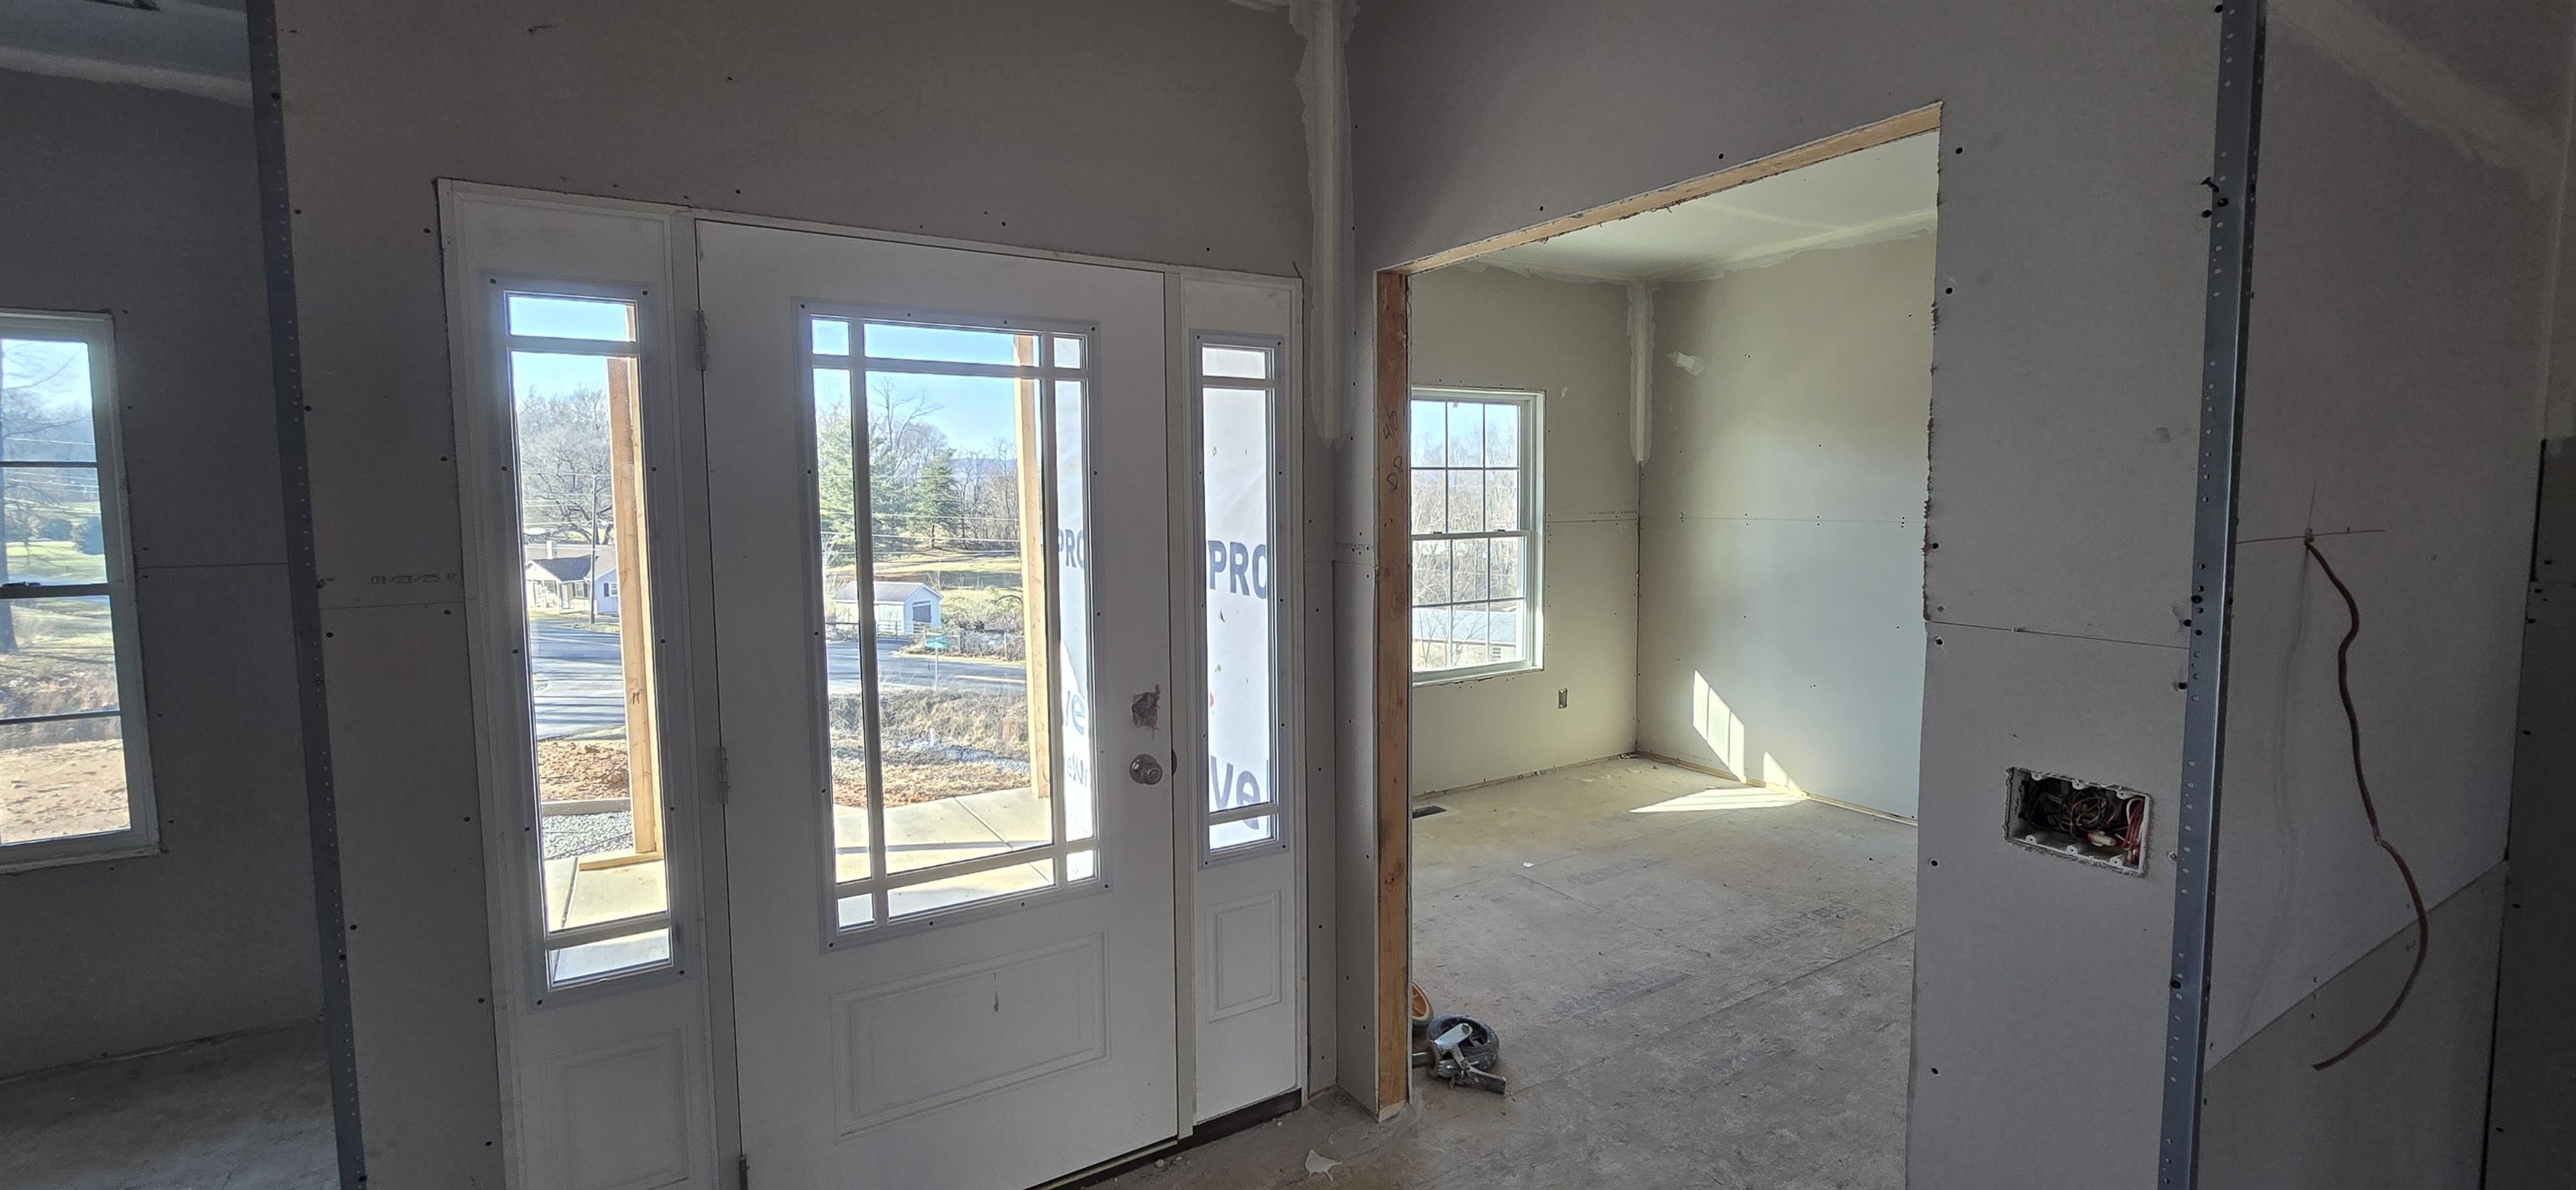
(245, 1113)
(1693, 988)
(1696, 986)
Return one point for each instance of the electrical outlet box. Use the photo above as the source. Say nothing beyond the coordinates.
(2103, 825)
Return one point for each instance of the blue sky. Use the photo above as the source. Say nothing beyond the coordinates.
(973, 411)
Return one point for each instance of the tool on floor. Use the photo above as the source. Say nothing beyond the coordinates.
(1463, 1053)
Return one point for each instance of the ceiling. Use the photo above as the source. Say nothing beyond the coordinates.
(1881, 193)
(198, 46)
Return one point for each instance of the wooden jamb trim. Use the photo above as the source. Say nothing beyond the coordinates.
(1867, 136)
(1394, 678)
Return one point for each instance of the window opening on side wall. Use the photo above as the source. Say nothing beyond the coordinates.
(1476, 543)
(71, 690)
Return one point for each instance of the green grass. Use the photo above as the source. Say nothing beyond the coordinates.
(76, 629)
(55, 561)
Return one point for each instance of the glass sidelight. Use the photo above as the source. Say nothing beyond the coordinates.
(949, 476)
(1237, 383)
(585, 595)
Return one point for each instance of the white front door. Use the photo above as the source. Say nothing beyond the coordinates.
(941, 549)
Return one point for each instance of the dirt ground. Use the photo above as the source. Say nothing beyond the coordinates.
(576, 770)
(54, 790)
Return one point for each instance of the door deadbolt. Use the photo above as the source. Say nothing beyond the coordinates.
(1145, 769)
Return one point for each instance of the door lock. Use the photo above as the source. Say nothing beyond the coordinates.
(1145, 769)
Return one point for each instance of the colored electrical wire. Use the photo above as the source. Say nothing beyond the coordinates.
(2370, 810)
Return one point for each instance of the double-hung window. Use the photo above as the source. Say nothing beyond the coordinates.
(1475, 532)
(71, 692)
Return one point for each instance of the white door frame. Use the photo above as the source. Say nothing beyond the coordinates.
(490, 229)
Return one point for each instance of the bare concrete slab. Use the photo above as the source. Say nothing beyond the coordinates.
(1692, 992)
(245, 1113)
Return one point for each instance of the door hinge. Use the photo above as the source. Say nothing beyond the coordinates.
(742, 1172)
(724, 776)
(702, 340)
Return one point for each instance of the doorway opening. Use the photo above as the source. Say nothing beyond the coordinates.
(1662, 649)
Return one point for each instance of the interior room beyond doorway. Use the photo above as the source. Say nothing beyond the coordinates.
(1669, 476)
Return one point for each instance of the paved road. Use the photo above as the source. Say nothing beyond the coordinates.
(581, 687)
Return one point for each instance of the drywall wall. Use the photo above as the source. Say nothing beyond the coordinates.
(2408, 191)
(2074, 142)
(2529, 1146)
(1781, 610)
(2408, 1111)
(1168, 130)
(144, 203)
(1480, 327)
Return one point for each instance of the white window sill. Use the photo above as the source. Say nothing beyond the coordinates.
(1444, 677)
(124, 845)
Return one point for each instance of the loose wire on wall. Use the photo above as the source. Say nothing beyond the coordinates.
(2369, 809)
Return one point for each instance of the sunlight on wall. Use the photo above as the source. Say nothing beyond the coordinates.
(1776, 777)
(1725, 799)
(1717, 725)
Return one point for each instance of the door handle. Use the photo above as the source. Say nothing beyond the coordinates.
(1145, 769)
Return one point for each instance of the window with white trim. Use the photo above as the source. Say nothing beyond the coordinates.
(1237, 380)
(1475, 532)
(572, 365)
(71, 689)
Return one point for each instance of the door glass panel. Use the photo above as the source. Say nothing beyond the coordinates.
(947, 459)
(909, 899)
(845, 614)
(1240, 363)
(1238, 611)
(609, 956)
(585, 594)
(948, 345)
(1243, 832)
(935, 625)
(1073, 612)
(831, 336)
(542, 316)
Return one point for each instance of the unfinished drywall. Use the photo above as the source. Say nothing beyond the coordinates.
(2402, 248)
(2408, 1111)
(144, 203)
(1168, 130)
(2074, 142)
(1780, 618)
(2529, 1146)
(1480, 327)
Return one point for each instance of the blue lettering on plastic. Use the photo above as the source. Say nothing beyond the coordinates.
(1239, 569)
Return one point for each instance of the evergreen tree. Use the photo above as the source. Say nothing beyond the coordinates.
(937, 503)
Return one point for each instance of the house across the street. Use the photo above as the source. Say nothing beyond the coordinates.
(903, 608)
(572, 582)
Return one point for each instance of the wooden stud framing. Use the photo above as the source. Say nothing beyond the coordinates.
(1393, 655)
(1394, 693)
(1037, 571)
(634, 614)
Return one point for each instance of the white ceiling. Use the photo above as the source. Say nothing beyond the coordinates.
(1880, 193)
(201, 47)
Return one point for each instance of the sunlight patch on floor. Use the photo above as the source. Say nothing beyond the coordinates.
(1724, 799)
